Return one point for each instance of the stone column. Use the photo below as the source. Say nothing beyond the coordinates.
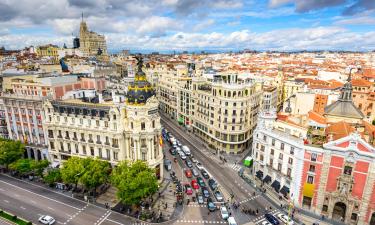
(36, 154)
(28, 153)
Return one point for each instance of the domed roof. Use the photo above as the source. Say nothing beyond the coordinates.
(140, 90)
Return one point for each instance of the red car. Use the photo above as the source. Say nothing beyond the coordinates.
(188, 189)
(188, 173)
(194, 184)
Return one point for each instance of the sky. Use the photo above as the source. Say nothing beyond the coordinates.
(193, 25)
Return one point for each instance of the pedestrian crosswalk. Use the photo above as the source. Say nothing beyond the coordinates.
(235, 167)
(261, 218)
(200, 221)
(249, 199)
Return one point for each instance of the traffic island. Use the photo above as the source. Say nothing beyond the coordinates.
(13, 218)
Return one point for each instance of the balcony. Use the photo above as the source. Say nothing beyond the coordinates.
(83, 140)
(91, 141)
(67, 138)
(98, 142)
(115, 145)
(50, 135)
(59, 136)
(75, 139)
(107, 143)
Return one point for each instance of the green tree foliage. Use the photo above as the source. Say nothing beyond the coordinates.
(71, 170)
(134, 181)
(23, 166)
(96, 172)
(52, 176)
(89, 172)
(10, 151)
(39, 166)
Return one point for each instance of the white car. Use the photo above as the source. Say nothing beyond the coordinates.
(224, 212)
(47, 220)
(285, 219)
(199, 166)
(182, 155)
(266, 223)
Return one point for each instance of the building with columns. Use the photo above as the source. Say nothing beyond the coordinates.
(325, 164)
(107, 130)
(91, 43)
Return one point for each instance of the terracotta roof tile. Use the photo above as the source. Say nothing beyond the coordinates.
(361, 83)
(317, 117)
(339, 130)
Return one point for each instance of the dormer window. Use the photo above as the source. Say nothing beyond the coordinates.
(348, 170)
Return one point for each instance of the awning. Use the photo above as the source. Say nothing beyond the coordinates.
(267, 179)
(308, 190)
(284, 190)
(276, 185)
(259, 174)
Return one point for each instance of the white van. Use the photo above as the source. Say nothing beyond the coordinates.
(231, 221)
(186, 150)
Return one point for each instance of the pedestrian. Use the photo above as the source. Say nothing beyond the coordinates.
(166, 205)
(323, 217)
(257, 211)
(208, 212)
(281, 205)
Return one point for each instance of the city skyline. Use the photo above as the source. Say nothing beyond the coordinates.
(173, 25)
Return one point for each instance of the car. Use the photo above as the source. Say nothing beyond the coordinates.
(195, 172)
(224, 212)
(272, 219)
(205, 174)
(265, 222)
(188, 173)
(188, 189)
(286, 219)
(47, 220)
(211, 205)
(194, 184)
(201, 182)
(205, 192)
(219, 196)
(188, 163)
(173, 151)
(182, 156)
(178, 143)
(193, 160)
(186, 150)
(200, 199)
(212, 183)
(199, 166)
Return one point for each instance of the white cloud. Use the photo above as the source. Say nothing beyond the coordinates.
(362, 20)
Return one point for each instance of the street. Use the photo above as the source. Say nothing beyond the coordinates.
(227, 177)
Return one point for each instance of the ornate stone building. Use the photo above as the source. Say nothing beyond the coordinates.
(91, 43)
(107, 130)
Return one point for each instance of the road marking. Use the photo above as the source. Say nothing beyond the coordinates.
(50, 208)
(114, 221)
(6, 201)
(16, 195)
(104, 218)
(22, 207)
(40, 195)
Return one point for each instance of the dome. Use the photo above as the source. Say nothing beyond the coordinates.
(140, 90)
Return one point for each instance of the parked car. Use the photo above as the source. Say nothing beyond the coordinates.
(193, 160)
(199, 166)
(205, 192)
(200, 199)
(49, 220)
(219, 196)
(188, 173)
(186, 150)
(188, 163)
(224, 212)
(188, 189)
(266, 223)
(211, 205)
(195, 172)
(178, 143)
(272, 219)
(168, 164)
(201, 182)
(194, 184)
(285, 219)
(173, 151)
(212, 183)
(205, 174)
(182, 156)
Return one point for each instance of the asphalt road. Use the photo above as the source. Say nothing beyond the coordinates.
(30, 201)
(226, 177)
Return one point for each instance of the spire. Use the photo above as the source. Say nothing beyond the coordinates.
(347, 89)
(82, 16)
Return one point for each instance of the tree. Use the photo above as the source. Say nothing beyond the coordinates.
(39, 166)
(95, 173)
(72, 170)
(23, 166)
(52, 176)
(134, 181)
(10, 151)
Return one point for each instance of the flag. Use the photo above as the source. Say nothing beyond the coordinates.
(161, 141)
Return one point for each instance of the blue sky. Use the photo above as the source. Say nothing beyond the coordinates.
(163, 25)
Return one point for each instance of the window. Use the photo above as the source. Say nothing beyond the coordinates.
(290, 161)
(97, 123)
(153, 124)
(282, 146)
(61, 146)
(143, 126)
(281, 156)
(76, 148)
(115, 155)
(80, 121)
(98, 139)
(100, 152)
(131, 125)
(106, 123)
(273, 142)
(92, 151)
(264, 138)
(114, 117)
(279, 166)
(325, 208)
(262, 148)
(143, 156)
(348, 170)
(82, 137)
(52, 145)
(271, 162)
(313, 157)
(272, 152)
(310, 179)
(312, 168)
(289, 172)
(292, 150)
(84, 149)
